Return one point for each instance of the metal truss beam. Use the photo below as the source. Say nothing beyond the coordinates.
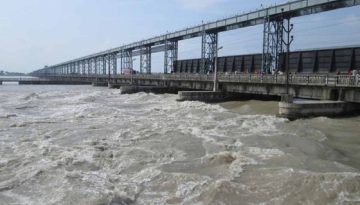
(96, 66)
(209, 45)
(88, 68)
(126, 61)
(121, 62)
(91, 67)
(275, 41)
(171, 55)
(77, 67)
(113, 62)
(103, 63)
(73, 68)
(272, 44)
(83, 67)
(67, 69)
(145, 60)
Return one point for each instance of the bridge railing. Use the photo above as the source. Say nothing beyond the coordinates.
(348, 80)
(310, 79)
(299, 79)
(15, 79)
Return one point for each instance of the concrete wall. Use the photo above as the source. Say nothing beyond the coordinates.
(310, 61)
(317, 91)
(316, 108)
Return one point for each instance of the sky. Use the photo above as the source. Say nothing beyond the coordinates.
(35, 33)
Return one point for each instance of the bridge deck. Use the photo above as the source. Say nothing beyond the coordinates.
(301, 79)
(18, 79)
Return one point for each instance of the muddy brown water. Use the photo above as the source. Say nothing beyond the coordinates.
(86, 145)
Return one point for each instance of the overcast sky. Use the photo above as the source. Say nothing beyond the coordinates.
(34, 33)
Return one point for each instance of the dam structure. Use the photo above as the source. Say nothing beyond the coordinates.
(319, 74)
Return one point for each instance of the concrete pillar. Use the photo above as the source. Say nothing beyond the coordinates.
(203, 96)
(314, 108)
(287, 98)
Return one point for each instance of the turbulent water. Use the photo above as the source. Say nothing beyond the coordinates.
(85, 145)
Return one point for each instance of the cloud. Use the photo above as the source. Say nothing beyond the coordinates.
(199, 4)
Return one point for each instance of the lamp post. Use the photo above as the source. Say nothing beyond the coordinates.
(215, 73)
(287, 43)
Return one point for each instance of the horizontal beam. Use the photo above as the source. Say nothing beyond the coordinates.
(304, 79)
(155, 49)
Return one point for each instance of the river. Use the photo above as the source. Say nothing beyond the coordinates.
(89, 145)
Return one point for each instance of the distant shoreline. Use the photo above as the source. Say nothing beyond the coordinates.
(5, 73)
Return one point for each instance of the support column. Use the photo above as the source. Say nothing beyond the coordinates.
(171, 55)
(72, 68)
(288, 27)
(108, 64)
(272, 44)
(145, 60)
(77, 67)
(96, 65)
(276, 37)
(114, 64)
(104, 65)
(87, 62)
(127, 61)
(208, 51)
(83, 67)
(93, 66)
(121, 62)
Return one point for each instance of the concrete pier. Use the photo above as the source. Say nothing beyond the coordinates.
(113, 85)
(0, 82)
(99, 84)
(130, 89)
(203, 96)
(314, 108)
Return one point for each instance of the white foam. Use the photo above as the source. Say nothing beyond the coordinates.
(264, 154)
(136, 136)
